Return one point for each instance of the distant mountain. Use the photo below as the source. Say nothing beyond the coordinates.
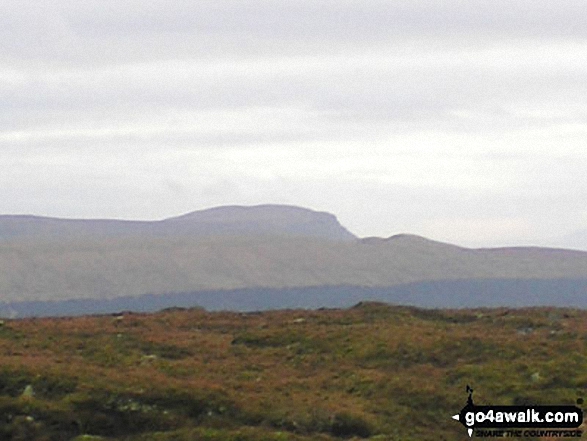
(280, 220)
(260, 220)
(265, 247)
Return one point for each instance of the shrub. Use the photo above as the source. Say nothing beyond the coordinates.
(346, 425)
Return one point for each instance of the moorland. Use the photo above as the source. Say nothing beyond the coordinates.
(373, 371)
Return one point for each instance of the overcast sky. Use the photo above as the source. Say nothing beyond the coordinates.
(463, 121)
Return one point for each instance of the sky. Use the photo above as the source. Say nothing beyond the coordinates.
(462, 121)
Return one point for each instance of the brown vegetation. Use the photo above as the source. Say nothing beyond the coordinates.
(373, 371)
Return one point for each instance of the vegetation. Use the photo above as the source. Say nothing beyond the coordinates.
(373, 371)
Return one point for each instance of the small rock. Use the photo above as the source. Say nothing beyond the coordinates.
(148, 358)
(87, 438)
(525, 331)
(28, 391)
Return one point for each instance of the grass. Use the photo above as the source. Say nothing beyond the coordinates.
(369, 372)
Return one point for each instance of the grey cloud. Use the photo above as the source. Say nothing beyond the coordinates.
(103, 32)
(344, 20)
(394, 90)
(428, 74)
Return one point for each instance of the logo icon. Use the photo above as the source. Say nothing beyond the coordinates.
(506, 418)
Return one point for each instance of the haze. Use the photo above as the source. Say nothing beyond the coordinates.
(460, 121)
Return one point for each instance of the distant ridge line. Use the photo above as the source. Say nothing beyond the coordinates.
(238, 247)
(446, 294)
(265, 219)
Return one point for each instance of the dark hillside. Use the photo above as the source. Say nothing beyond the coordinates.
(468, 293)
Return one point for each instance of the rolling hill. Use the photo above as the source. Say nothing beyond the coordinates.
(267, 247)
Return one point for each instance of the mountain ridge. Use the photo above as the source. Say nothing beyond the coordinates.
(236, 247)
(224, 220)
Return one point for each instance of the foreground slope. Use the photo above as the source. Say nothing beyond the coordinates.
(372, 371)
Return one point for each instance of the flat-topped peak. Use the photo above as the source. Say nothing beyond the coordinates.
(234, 212)
(264, 219)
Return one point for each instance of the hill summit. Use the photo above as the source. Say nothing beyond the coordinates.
(261, 219)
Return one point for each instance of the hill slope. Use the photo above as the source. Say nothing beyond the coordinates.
(242, 248)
